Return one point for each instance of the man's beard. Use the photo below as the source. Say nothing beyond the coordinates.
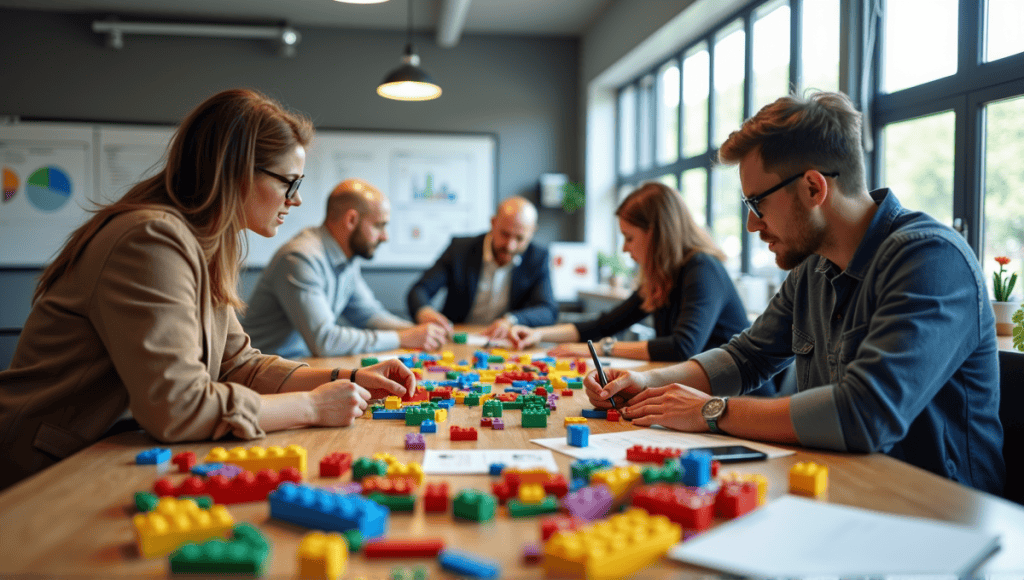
(361, 246)
(808, 242)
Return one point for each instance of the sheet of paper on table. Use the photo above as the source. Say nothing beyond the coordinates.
(474, 461)
(612, 446)
(797, 538)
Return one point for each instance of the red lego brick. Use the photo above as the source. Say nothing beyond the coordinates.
(435, 497)
(567, 392)
(503, 492)
(486, 421)
(462, 434)
(581, 366)
(651, 454)
(556, 485)
(408, 548)
(541, 391)
(420, 395)
(552, 524)
(691, 508)
(185, 461)
(335, 464)
(389, 486)
(735, 499)
(511, 376)
(715, 466)
(507, 397)
(442, 392)
(242, 488)
(542, 367)
(612, 415)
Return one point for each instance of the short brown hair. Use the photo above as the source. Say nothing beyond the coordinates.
(821, 131)
(675, 237)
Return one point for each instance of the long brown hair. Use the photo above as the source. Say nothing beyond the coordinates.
(209, 173)
(675, 237)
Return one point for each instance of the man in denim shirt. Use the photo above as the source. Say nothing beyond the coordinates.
(885, 311)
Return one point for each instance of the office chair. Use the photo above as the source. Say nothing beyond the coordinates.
(1011, 407)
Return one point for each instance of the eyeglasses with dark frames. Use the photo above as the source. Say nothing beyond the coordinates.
(753, 202)
(293, 184)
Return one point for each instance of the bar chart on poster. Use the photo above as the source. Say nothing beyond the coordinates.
(439, 185)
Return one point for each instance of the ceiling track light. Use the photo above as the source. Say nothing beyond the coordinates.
(286, 37)
(409, 82)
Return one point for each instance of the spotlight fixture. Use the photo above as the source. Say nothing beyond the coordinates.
(361, 1)
(409, 82)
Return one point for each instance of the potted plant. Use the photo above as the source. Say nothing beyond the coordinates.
(615, 267)
(1002, 305)
(1018, 330)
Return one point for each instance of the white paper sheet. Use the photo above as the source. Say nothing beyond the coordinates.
(612, 446)
(473, 461)
(796, 537)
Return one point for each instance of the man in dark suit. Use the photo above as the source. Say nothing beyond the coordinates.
(498, 278)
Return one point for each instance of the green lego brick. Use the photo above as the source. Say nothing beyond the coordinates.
(517, 404)
(492, 408)
(355, 539)
(416, 415)
(495, 359)
(534, 418)
(473, 504)
(518, 509)
(365, 466)
(370, 360)
(396, 503)
(459, 338)
(145, 501)
(574, 384)
(452, 375)
(246, 553)
(471, 400)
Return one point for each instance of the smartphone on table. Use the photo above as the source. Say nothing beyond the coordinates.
(733, 453)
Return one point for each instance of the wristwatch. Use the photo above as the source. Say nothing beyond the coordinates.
(713, 410)
(607, 343)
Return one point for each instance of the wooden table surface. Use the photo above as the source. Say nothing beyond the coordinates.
(74, 519)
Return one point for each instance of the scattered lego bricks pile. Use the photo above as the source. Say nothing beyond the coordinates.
(190, 524)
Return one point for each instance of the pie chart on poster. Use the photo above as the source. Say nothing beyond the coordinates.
(48, 188)
(10, 182)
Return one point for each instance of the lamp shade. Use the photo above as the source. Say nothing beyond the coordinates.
(409, 82)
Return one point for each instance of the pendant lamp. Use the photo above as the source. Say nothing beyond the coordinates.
(409, 82)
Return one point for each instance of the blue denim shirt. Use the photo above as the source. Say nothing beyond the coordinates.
(896, 354)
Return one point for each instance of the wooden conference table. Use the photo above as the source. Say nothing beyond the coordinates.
(74, 519)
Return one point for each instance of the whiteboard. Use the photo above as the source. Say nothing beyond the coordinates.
(439, 185)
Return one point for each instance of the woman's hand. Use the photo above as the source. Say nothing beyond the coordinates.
(523, 336)
(389, 377)
(674, 406)
(570, 350)
(337, 403)
(621, 383)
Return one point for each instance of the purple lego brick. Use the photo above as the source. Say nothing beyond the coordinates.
(415, 441)
(346, 488)
(588, 503)
(228, 470)
(497, 423)
(532, 553)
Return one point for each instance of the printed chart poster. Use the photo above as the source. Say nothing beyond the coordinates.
(47, 178)
(573, 268)
(127, 156)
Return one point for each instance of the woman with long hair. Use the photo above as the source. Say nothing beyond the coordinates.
(682, 285)
(137, 311)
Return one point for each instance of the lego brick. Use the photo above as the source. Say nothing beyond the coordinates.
(462, 434)
(468, 564)
(428, 426)
(671, 472)
(574, 421)
(618, 547)
(366, 466)
(475, 505)
(435, 497)
(552, 524)
(354, 538)
(620, 480)
(367, 361)
(413, 573)
(184, 460)
(588, 503)
(315, 508)
(414, 441)
(756, 478)
(388, 486)
(577, 435)
(566, 392)
(230, 471)
(735, 498)
(145, 501)
(502, 491)
(808, 478)
(692, 508)
(639, 453)
(414, 416)
(696, 468)
(403, 548)
(345, 488)
(387, 458)
(497, 424)
(395, 503)
(245, 487)
(531, 493)
(412, 470)
(574, 385)
(582, 468)
(532, 553)
(244, 553)
(534, 418)
(492, 408)
(335, 464)
(204, 469)
(257, 458)
(154, 456)
(612, 415)
(521, 509)
(496, 468)
(556, 485)
(175, 522)
(594, 413)
(322, 555)
(392, 402)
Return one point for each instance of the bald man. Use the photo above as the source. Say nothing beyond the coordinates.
(314, 280)
(497, 279)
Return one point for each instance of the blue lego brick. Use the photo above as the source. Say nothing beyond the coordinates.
(594, 413)
(204, 469)
(468, 564)
(696, 468)
(446, 403)
(324, 510)
(390, 414)
(582, 468)
(496, 468)
(546, 360)
(154, 456)
(577, 435)
(428, 426)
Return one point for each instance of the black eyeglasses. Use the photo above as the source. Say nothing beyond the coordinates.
(293, 184)
(754, 201)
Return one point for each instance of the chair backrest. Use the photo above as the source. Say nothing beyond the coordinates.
(1011, 413)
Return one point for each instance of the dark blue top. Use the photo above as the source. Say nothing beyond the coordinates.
(703, 311)
(897, 354)
(531, 299)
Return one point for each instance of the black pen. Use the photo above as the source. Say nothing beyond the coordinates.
(600, 372)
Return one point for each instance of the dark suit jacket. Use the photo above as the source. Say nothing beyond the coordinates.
(531, 299)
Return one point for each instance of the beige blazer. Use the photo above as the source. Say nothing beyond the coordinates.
(131, 326)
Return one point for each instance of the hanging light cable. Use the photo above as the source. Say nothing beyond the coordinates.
(409, 82)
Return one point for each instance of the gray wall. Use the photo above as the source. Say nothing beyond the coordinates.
(522, 89)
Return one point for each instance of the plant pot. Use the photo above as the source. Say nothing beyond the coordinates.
(1004, 317)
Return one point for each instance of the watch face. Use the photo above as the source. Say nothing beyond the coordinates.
(713, 408)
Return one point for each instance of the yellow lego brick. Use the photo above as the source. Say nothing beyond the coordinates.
(402, 470)
(447, 356)
(392, 402)
(459, 396)
(500, 352)
(620, 480)
(557, 382)
(511, 366)
(525, 359)
(462, 368)
(574, 421)
(385, 457)
(322, 556)
(175, 522)
(486, 397)
(531, 493)
(257, 458)
(613, 548)
(563, 365)
(759, 480)
(440, 415)
(808, 478)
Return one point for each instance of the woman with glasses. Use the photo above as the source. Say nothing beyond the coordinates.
(683, 285)
(137, 311)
